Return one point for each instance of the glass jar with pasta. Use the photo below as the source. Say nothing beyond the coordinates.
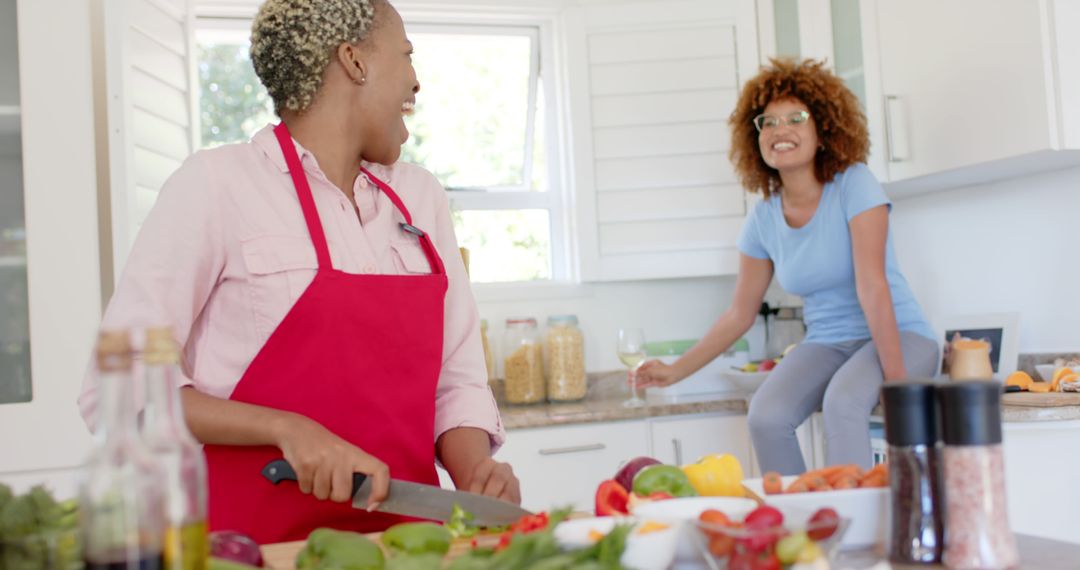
(523, 367)
(489, 357)
(564, 354)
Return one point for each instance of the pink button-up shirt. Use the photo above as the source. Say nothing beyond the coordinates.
(225, 253)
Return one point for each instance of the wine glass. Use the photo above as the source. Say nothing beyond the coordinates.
(630, 346)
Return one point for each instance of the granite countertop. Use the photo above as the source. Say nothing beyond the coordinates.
(606, 392)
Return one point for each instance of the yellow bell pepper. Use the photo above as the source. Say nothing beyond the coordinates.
(717, 475)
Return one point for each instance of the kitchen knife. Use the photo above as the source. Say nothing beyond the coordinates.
(416, 499)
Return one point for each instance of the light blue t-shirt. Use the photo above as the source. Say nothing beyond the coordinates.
(816, 262)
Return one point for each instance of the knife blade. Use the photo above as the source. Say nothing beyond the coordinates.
(416, 499)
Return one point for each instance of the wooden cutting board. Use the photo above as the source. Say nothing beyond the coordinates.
(1046, 400)
(282, 556)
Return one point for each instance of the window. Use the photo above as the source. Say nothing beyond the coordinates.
(481, 127)
(233, 105)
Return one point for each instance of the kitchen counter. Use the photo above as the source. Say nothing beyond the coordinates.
(1035, 554)
(603, 403)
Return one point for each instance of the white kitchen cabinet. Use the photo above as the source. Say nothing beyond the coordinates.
(1040, 457)
(682, 440)
(49, 236)
(950, 102)
(562, 465)
(968, 91)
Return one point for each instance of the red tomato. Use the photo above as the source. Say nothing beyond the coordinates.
(768, 562)
(742, 561)
(764, 517)
(823, 524)
(611, 498)
(721, 545)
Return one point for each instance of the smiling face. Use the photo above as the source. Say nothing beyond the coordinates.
(389, 88)
(785, 146)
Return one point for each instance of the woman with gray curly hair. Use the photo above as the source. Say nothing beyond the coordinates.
(316, 288)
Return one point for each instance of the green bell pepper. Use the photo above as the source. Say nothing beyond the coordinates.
(329, 549)
(417, 538)
(665, 479)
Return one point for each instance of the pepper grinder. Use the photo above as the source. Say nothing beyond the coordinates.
(912, 432)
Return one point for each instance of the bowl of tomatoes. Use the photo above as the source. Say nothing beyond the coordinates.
(768, 538)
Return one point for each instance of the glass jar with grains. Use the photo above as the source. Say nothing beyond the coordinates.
(489, 357)
(523, 367)
(564, 353)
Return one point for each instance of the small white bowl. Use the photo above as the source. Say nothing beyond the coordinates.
(684, 511)
(1046, 371)
(867, 509)
(747, 382)
(650, 551)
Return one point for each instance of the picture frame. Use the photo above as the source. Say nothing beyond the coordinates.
(1001, 330)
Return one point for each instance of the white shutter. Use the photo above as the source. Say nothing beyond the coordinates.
(150, 93)
(651, 87)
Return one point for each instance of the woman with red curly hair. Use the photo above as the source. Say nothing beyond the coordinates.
(800, 139)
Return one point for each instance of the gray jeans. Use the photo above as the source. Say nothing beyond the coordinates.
(842, 380)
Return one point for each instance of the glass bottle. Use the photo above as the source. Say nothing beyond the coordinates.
(977, 533)
(911, 430)
(166, 434)
(564, 354)
(523, 367)
(120, 503)
(489, 357)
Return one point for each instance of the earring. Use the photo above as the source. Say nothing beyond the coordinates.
(362, 80)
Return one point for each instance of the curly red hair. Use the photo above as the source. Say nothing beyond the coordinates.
(841, 124)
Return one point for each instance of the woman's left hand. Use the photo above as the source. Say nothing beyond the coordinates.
(495, 479)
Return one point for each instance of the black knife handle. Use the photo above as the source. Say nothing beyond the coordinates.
(279, 470)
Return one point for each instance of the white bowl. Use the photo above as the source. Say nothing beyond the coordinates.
(868, 509)
(684, 511)
(1046, 371)
(650, 551)
(747, 382)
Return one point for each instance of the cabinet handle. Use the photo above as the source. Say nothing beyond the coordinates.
(572, 449)
(895, 139)
(678, 450)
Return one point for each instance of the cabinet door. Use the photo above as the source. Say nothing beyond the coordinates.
(562, 466)
(683, 440)
(962, 82)
(47, 172)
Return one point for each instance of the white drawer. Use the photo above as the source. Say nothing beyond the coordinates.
(562, 466)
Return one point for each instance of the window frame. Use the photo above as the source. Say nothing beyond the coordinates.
(544, 74)
(493, 198)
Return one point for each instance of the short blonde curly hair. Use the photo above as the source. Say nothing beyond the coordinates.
(841, 124)
(292, 41)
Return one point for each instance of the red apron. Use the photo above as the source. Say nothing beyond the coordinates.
(361, 355)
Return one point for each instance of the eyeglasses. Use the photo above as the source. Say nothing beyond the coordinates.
(763, 121)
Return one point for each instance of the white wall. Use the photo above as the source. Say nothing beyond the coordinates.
(1002, 247)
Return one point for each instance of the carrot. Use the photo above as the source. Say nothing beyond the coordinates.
(879, 470)
(846, 482)
(847, 471)
(772, 483)
(876, 480)
(825, 487)
(797, 487)
(817, 483)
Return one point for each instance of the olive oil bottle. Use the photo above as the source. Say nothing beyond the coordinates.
(165, 432)
(120, 505)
